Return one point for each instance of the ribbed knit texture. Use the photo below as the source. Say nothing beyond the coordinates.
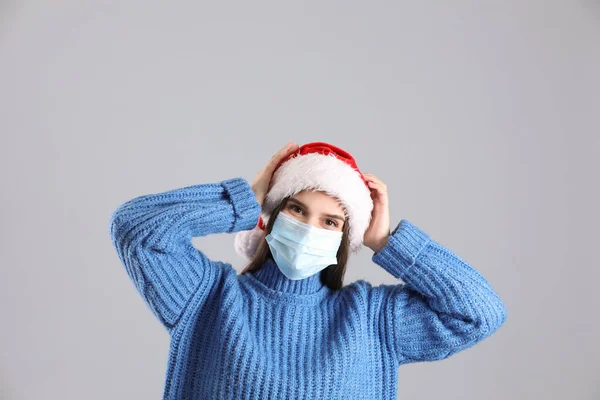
(261, 335)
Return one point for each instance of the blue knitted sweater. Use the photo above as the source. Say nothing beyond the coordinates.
(261, 335)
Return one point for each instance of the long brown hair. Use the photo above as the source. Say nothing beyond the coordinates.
(332, 276)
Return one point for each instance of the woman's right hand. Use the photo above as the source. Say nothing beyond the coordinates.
(260, 184)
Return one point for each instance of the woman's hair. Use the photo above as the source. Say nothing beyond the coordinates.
(332, 276)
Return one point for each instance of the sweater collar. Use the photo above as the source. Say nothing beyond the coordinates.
(271, 276)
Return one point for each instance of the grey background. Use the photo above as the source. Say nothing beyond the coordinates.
(481, 117)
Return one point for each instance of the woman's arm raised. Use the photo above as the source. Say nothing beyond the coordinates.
(152, 236)
(443, 307)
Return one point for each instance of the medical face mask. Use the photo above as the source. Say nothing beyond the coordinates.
(301, 250)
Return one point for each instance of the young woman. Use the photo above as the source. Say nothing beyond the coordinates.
(286, 327)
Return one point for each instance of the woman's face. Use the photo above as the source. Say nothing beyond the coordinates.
(316, 208)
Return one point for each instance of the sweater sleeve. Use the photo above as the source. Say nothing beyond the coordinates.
(444, 304)
(152, 237)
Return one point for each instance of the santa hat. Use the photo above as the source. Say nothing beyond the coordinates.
(315, 166)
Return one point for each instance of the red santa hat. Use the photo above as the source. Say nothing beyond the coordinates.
(315, 166)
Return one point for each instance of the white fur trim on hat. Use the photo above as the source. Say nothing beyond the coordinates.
(246, 242)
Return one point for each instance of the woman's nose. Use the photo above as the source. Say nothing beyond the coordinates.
(314, 222)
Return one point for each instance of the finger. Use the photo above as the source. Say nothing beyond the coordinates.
(374, 185)
(282, 153)
(286, 147)
(282, 150)
(377, 186)
(291, 148)
(279, 153)
(373, 178)
(287, 151)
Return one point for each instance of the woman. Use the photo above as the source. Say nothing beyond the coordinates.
(286, 327)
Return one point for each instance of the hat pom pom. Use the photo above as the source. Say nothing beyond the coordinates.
(246, 242)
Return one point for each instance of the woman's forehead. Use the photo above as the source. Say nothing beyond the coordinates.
(318, 198)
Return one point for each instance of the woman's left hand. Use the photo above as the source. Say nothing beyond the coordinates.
(376, 236)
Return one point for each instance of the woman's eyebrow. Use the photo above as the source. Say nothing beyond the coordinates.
(293, 200)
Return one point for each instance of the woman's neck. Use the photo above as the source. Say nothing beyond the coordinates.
(271, 276)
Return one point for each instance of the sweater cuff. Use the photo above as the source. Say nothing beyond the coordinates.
(243, 200)
(404, 245)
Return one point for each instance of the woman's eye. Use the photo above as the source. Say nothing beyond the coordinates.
(295, 208)
(334, 223)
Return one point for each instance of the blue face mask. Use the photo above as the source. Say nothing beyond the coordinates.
(301, 250)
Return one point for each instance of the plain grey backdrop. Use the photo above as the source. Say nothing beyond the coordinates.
(482, 117)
